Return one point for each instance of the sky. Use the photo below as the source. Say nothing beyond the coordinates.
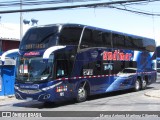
(103, 17)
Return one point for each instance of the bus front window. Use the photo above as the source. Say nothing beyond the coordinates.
(39, 38)
(34, 69)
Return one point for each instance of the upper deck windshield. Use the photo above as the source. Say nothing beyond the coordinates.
(39, 38)
(34, 69)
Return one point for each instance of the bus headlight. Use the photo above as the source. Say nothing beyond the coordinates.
(16, 87)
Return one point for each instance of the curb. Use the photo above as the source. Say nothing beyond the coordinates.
(153, 93)
(2, 98)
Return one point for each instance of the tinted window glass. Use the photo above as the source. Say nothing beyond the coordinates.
(158, 51)
(92, 68)
(106, 39)
(138, 43)
(70, 36)
(101, 39)
(129, 71)
(118, 40)
(87, 38)
(39, 38)
(62, 68)
(97, 38)
(149, 45)
(129, 42)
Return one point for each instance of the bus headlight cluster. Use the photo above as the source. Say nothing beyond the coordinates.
(61, 89)
(16, 87)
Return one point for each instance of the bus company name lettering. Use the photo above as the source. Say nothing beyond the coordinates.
(31, 53)
(117, 55)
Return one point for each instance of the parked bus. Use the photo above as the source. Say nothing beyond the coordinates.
(158, 58)
(72, 61)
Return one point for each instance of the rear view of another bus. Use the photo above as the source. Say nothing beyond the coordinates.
(158, 58)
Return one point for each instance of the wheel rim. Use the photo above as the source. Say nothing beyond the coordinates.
(81, 94)
(144, 83)
(137, 85)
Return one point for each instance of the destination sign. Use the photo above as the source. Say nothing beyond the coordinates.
(34, 46)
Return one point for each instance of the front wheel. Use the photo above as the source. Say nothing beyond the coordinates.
(137, 85)
(81, 95)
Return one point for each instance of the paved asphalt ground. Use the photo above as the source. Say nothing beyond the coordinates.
(155, 93)
(145, 101)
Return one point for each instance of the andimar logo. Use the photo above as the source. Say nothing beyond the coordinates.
(117, 56)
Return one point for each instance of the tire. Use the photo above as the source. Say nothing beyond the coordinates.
(137, 85)
(81, 94)
(144, 84)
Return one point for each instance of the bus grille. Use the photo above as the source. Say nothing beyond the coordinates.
(30, 91)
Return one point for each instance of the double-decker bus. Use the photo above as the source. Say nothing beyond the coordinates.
(72, 61)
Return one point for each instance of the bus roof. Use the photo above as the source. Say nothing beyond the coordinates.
(92, 27)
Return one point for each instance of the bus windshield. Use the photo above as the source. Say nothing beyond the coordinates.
(39, 38)
(34, 69)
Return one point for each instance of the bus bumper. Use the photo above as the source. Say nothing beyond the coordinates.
(42, 96)
(47, 95)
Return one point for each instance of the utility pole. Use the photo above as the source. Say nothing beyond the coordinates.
(21, 21)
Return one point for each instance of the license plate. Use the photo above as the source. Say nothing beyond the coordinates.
(29, 99)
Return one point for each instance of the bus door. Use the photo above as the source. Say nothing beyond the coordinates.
(63, 70)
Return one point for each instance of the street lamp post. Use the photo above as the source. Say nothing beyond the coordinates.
(21, 21)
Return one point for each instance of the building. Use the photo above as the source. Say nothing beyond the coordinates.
(10, 36)
(9, 39)
(7, 44)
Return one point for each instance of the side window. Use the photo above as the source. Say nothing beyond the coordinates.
(149, 45)
(158, 49)
(118, 40)
(62, 68)
(106, 37)
(97, 38)
(70, 36)
(92, 68)
(98, 68)
(129, 42)
(138, 42)
(87, 39)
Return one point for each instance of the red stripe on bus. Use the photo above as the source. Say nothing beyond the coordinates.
(99, 76)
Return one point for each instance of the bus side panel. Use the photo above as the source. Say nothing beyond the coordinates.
(104, 74)
(146, 63)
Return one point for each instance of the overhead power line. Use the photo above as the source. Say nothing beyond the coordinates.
(38, 2)
(103, 4)
(91, 5)
(137, 12)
